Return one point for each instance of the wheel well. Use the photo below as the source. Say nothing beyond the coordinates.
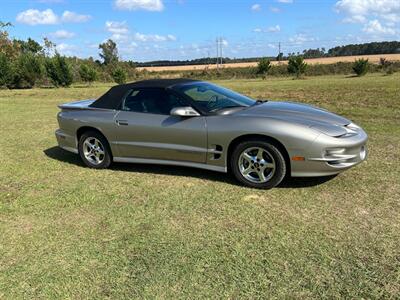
(84, 129)
(252, 137)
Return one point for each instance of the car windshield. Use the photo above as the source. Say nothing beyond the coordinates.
(211, 98)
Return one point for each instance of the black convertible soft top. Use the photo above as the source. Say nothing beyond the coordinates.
(112, 98)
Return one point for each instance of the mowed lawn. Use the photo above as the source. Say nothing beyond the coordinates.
(143, 231)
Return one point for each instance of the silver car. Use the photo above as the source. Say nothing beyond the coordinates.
(198, 124)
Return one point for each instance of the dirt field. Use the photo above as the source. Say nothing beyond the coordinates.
(325, 60)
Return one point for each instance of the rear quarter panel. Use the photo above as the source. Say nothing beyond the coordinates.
(70, 121)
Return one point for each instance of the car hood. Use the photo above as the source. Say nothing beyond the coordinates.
(306, 115)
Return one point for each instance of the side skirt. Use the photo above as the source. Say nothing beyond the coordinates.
(169, 162)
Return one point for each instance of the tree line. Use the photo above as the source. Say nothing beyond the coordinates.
(26, 63)
(347, 50)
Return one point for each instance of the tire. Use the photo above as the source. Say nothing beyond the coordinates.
(263, 170)
(94, 150)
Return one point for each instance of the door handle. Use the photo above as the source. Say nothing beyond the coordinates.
(122, 122)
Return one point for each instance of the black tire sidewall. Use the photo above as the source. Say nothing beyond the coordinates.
(280, 168)
(107, 153)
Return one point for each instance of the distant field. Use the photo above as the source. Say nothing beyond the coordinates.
(326, 60)
(164, 232)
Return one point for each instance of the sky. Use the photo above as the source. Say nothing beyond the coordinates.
(147, 30)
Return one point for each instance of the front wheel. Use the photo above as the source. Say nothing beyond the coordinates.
(258, 164)
(94, 150)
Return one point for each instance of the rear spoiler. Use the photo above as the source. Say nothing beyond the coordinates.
(78, 105)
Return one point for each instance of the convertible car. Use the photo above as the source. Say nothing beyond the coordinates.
(198, 124)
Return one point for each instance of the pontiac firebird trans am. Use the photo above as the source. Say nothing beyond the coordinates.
(198, 124)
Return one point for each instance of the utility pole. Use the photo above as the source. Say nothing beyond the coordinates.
(279, 54)
(217, 58)
(221, 44)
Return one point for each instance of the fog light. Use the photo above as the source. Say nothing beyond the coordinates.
(363, 153)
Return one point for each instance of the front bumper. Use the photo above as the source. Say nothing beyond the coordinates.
(331, 155)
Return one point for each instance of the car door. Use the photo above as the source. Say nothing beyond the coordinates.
(145, 128)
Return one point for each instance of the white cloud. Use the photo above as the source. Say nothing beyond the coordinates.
(171, 37)
(285, 1)
(117, 27)
(121, 33)
(275, 28)
(274, 9)
(71, 17)
(150, 5)
(271, 29)
(375, 27)
(67, 49)
(256, 7)
(62, 34)
(37, 17)
(355, 19)
(299, 39)
(153, 37)
(48, 17)
(360, 9)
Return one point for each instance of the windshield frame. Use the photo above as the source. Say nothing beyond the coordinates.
(178, 89)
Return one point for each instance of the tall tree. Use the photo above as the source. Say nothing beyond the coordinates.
(49, 47)
(109, 52)
(88, 73)
(264, 65)
(59, 70)
(29, 46)
(296, 65)
(6, 45)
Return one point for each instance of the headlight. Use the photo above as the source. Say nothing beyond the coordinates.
(352, 129)
(353, 126)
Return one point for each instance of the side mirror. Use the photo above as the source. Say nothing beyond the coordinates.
(184, 111)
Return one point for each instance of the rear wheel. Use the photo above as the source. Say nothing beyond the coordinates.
(94, 150)
(258, 164)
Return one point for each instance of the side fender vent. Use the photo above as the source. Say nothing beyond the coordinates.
(216, 151)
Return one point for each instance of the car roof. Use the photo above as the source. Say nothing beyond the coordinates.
(112, 98)
(158, 83)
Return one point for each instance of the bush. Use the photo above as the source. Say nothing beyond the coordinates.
(360, 67)
(25, 71)
(264, 65)
(5, 70)
(297, 65)
(119, 75)
(391, 69)
(88, 74)
(59, 71)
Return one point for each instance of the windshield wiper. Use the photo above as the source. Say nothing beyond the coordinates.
(259, 102)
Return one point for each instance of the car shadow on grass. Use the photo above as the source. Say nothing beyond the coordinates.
(289, 182)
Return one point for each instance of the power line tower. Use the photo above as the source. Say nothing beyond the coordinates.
(220, 52)
(219, 42)
(217, 57)
(279, 53)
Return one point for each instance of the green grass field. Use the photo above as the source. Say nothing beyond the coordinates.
(142, 231)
